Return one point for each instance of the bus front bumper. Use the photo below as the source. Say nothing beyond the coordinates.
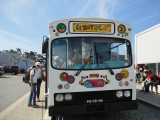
(92, 108)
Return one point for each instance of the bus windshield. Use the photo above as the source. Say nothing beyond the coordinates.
(91, 53)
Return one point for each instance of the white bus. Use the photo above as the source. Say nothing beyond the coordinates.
(89, 67)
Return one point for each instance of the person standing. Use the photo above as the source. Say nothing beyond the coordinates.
(39, 81)
(138, 75)
(33, 84)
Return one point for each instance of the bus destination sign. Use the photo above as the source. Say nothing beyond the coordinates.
(107, 28)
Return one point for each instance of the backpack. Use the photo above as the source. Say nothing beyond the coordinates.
(155, 78)
(26, 77)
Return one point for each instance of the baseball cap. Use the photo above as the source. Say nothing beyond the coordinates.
(37, 64)
(56, 58)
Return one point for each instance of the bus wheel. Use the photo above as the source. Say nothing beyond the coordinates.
(57, 117)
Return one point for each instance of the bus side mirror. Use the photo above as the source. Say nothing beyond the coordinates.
(45, 45)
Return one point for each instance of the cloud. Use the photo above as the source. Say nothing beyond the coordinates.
(82, 11)
(12, 41)
(17, 10)
(13, 36)
(101, 8)
(108, 7)
(146, 18)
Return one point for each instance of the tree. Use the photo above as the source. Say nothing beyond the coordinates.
(12, 51)
(27, 55)
(18, 50)
(32, 55)
(40, 56)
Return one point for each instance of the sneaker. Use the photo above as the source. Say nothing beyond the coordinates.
(141, 90)
(29, 105)
(35, 106)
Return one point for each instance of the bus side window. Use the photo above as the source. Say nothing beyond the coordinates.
(114, 52)
(118, 51)
(59, 49)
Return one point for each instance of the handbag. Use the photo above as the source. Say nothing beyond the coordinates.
(43, 77)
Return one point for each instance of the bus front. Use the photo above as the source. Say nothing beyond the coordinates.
(89, 67)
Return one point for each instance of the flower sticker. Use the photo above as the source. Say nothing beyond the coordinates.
(119, 76)
(65, 77)
(125, 73)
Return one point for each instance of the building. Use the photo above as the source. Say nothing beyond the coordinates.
(147, 48)
(13, 59)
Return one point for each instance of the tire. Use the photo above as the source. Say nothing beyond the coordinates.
(57, 117)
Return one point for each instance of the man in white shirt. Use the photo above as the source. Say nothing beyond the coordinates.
(33, 84)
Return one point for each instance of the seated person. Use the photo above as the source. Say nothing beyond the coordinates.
(58, 62)
(77, 56)
(150, 80)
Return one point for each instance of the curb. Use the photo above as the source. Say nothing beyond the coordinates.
(46, 116)
(146, 102)
(12, 106)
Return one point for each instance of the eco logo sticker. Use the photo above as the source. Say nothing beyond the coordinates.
(61, 27)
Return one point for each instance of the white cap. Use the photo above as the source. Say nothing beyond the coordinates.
(38, 64)
(57, 58)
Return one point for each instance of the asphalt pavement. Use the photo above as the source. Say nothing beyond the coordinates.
(11, 89)
(148, 97)
(20, 111)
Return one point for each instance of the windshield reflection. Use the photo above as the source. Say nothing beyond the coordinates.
(73, 53)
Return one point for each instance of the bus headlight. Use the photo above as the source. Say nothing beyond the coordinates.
(127, 93)
(68, 97)
(119, 94)
(59, 97)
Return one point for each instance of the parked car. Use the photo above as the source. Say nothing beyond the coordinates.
(15, 70)
(1, 71)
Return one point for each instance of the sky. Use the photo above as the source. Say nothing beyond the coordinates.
(23, 23)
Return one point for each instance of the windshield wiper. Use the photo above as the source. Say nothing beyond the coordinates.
(99, 56)
(82, 67)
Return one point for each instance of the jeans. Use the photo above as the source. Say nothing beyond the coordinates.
(147, 85)
(39, 81)
(32, 97)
